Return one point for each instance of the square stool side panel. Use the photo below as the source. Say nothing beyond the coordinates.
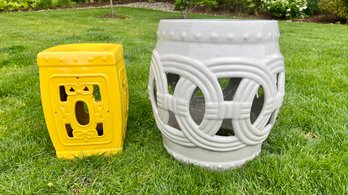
(84, 107)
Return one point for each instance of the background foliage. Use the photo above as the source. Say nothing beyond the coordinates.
(306, 152)
(280, 9)
(286, 8)
(14, 5)
(187, 6)
(239, 6)
(337, 7)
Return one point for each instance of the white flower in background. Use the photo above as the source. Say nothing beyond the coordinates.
(285, 8)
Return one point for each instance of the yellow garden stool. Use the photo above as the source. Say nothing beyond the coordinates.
(84, 95)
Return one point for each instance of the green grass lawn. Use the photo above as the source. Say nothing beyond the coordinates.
(306, 152)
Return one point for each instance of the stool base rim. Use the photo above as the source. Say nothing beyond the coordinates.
(84, 153)
(211, 159)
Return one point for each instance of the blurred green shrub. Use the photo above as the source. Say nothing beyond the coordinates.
(335, 7)
(42, 4)
(285, 8)
(14, 5)
(62, 3)
(312, 7)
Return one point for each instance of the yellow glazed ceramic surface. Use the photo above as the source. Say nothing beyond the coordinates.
(84, 95)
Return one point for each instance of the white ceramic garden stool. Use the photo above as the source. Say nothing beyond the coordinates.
(216, 87)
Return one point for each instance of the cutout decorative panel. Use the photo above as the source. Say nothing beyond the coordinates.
(84, 94)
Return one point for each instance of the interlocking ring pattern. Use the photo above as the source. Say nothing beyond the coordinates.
(268, 73)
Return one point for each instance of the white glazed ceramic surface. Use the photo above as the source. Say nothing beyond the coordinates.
(194, 110)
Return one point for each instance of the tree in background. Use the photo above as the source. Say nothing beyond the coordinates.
(187, 6)
(241, 6)
(112, 8)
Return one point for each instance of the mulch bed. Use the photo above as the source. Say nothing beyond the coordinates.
(321, 19)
